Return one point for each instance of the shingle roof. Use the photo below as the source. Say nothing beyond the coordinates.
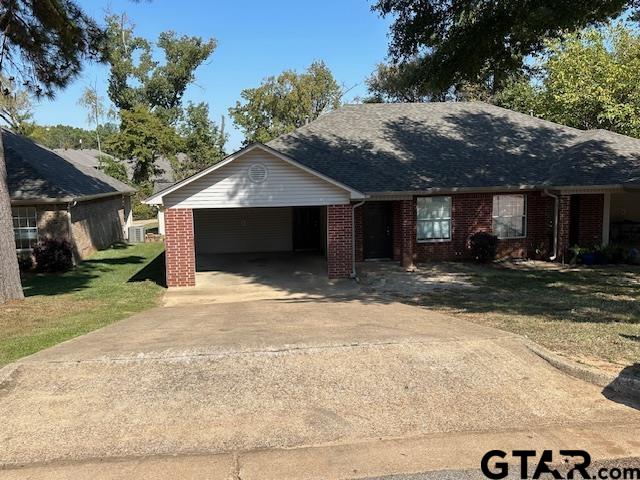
(422, 146)
(90, 157)
(37, 173)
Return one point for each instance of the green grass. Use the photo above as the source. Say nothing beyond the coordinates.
(590, 314)
(109, 286)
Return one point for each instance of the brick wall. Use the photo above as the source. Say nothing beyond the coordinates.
(339, 237)
(180, 247)
(96, 224)
(472, 213)
(564, 222)
(591, 214)
(397, 231)
(53, 222)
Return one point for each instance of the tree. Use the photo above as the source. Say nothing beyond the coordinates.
(399, 84)
(283, 103)
(64, 136)
(15, 107)
(44, 44)
(203, 141)
(143, 137)
(484, 42)
(113, 167)
(588, 80)
(96, 110)
(136, 79)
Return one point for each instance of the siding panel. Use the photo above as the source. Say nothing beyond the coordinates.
(229, 187)
(243, 230)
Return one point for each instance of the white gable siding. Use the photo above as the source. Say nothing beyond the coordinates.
(229, 187)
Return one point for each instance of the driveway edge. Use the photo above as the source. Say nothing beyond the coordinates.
(621, 383)
(367, 459)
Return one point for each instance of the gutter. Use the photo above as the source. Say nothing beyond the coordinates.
(353, 239)
(504, 188)
(556, 219)
(46, 201)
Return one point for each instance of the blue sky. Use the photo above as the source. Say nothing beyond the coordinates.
(255, 39)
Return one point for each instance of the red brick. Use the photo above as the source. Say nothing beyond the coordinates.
(180, 248)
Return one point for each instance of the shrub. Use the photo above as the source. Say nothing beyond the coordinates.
(53, 256)
(484, 246)
(25, 262)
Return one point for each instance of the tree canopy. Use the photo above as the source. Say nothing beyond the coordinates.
(589, 80)
(203, 141)
(283, 103)
(15, 107)
(136, 78)
(483, 42)
(142, 138)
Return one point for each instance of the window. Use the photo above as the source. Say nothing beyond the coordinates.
(25, 230)
(434, 218)
(509, 216)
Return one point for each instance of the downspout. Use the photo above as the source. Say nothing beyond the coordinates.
(353, 239)
(556, 219)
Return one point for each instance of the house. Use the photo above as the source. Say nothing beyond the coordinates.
(53, 197)
(408, 182)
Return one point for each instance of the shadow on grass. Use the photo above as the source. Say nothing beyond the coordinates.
(154, 271)
(77, 279)
(628, 382)
(592, 295)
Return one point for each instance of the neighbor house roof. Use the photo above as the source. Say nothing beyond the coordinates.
(39, 174)
(90, 157)
(413, 147)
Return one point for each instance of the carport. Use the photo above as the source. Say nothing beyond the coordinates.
(261, 204)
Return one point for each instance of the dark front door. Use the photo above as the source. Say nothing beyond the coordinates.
(377, 224)
(306, 228)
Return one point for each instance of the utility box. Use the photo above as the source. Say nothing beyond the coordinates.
(136, 234)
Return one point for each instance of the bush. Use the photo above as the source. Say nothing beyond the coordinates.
(53, 256)
(25, 262)
(611, 254)
(484, 247)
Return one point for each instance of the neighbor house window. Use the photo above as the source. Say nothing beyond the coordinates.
(25, 230)
(434, 218)
(509, 216)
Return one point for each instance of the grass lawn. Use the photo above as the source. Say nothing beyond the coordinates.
(589, 313)
(109, 286)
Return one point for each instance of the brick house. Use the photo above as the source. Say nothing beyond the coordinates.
(54, 197)
(408, 182)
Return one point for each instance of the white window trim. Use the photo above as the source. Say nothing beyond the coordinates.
(524, 216)
(436, 240)
(26, 250)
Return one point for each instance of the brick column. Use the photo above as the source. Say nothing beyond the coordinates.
(564, 223)
(339, 240)
(397, 231)
(591, 217)
(407, 231)
(359, 233)
(180, 247)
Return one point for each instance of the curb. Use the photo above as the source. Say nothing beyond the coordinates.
(620, 383)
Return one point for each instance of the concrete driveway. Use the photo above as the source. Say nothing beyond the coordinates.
(297, 388)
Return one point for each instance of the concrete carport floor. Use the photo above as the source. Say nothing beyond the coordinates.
(239, 277)
(332, 387)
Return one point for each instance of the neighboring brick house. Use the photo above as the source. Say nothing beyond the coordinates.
(53, 197)
(408, 182)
